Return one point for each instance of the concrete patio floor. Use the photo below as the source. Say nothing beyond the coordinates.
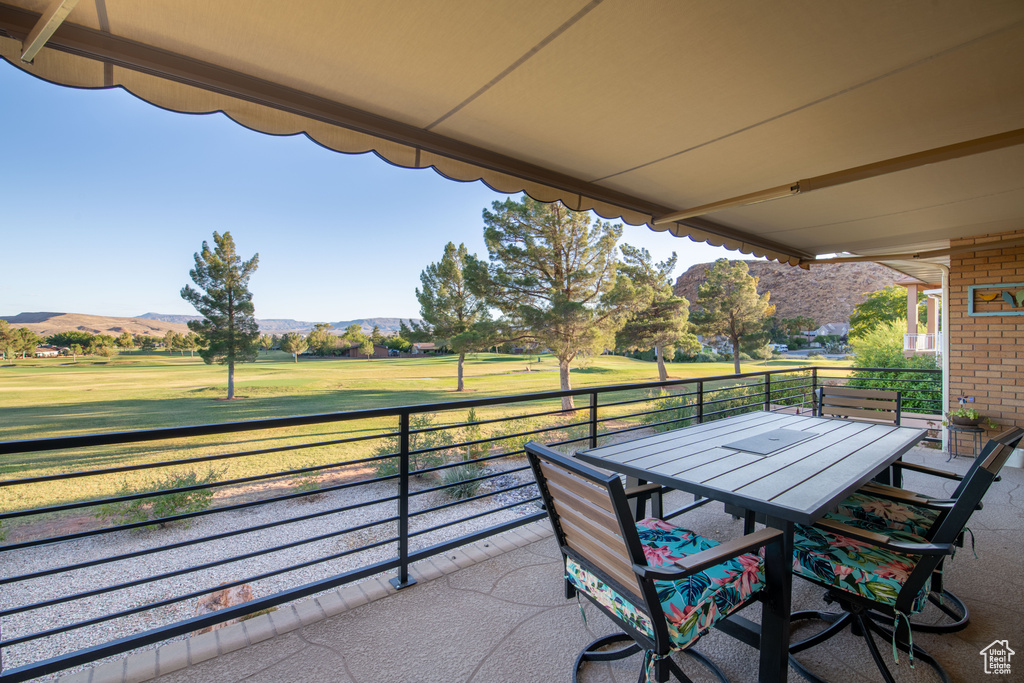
(494, 612)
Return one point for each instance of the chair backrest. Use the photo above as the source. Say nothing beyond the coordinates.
(951, 522)
(876, 405)
(591, 519)
(1011, 437)
(975, 485)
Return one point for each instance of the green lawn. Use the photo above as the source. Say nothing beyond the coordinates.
(58, 397)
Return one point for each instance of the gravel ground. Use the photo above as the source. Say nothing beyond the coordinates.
(169, 560)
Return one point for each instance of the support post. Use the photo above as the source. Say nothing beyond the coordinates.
(403, 580)
(593, 419)
(700, 401)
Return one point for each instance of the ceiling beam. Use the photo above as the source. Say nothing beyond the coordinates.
(49, 21)
(851, 175)
(921, 255)
(111, 49)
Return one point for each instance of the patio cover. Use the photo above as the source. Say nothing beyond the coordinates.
(637, 110)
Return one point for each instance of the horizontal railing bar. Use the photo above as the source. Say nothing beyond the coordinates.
(191, 542)
(647, 399)
(195, 568)
(481, 496)
(189, 596)
(156, 635)
(421, 532)
(189, 515)
(189, 461)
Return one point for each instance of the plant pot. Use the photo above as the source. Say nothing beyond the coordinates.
(965, 421)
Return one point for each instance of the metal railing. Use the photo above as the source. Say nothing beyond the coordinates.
(101, 558)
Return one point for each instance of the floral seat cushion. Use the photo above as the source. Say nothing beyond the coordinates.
(691, 605)
(855, 566)
(882, 514)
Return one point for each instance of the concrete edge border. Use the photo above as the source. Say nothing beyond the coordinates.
(180, 654)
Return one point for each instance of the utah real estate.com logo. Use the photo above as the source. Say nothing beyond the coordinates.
(997, 657)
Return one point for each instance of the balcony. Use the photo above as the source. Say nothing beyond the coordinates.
(921, 342)
(493, 611)
(302, 508)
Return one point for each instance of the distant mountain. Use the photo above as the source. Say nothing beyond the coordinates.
(282, 325)
(45, 324)
(827, 292)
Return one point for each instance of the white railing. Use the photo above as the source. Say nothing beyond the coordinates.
(921, 342)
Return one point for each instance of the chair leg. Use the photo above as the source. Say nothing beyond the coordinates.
(662, 667)
(946, 602)
(862, 623)
(593, 652)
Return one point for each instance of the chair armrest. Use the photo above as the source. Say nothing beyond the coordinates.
(711, 557)
(904, 496)
(641, 489)
(883, 541)
(928, 470)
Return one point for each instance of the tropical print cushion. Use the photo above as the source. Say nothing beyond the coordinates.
(691, 605)
(882, 513)
(897, 533)
(855, 566)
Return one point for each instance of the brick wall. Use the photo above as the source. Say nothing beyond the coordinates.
(986, 353)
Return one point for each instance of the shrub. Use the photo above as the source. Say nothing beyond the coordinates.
(461, 480)
(506, 429)
(166, 505)
(882, 347)
(671, 419)
(430, 438)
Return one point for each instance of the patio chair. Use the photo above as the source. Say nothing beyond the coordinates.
(901, 513)
(871, 574)
(875, 405)
(663, 585)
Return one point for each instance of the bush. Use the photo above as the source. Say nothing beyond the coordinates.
(461, 481)
(672, 419)
(882, 347)
(430, 438)
(166, 505)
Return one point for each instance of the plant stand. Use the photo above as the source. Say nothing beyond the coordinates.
(974, 432)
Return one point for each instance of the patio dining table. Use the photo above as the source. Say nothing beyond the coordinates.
(792, 469)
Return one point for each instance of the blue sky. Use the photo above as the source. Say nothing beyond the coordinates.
(106, 199)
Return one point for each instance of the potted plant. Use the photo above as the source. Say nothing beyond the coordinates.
(967, 417)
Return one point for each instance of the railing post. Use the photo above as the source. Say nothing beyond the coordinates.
(593, 419)
(700, 401)
(814, 389)
(403, 580)
(767, 391)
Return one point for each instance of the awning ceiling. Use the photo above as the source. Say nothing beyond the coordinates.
(634, 109)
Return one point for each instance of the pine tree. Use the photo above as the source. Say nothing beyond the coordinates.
(229, 324)
(730, 307)
(551, 272)
(453, 311)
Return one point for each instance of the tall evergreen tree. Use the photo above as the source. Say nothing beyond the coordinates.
(450, 307)
(225, 302)
(730, 307)
(660, 319)
(551, 274)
